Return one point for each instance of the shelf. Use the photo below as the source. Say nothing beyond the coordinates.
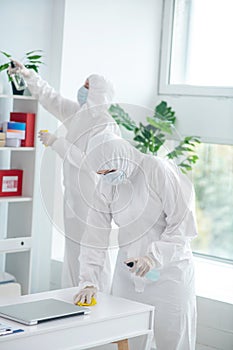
(17, 148)
(20, 97)
(12, 245)
(15, 199)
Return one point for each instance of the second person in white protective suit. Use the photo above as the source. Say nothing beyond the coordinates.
(83, 120)
(152, 203)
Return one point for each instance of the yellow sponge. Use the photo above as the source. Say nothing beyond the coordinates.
(93, 302)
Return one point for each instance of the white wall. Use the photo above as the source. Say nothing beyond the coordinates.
(119, 39)
(207, 117)
(27, 25)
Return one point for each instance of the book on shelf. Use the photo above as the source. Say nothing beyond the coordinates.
(29, 119)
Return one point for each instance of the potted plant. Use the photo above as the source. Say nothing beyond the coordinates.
(31, 60)
(150, 137)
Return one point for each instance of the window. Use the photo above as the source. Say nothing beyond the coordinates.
(213, 181)
(197, 54)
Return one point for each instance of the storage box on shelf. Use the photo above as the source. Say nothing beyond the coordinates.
(11, 182)
(16, 209)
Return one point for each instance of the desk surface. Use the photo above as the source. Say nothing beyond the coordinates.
(110, 320)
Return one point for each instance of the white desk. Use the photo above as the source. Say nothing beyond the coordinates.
(111, 320)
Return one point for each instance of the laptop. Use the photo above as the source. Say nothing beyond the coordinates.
(34, 312)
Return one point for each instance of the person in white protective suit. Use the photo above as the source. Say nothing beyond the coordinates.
(83, 120)
(152, 203)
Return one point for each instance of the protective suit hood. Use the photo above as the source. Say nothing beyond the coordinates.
(109, 151)
(100, 91)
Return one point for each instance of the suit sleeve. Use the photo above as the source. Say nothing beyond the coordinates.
(95, 243)
(178, 199)
(68, 151)
(51, 100)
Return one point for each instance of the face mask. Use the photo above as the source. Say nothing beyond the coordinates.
(82, 95)
(114, 178)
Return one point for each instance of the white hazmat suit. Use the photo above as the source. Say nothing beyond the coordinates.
(153, 208)
(82, 123)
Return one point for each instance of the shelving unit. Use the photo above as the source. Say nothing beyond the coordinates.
(21, 149)
(15, 199)
(16, 213)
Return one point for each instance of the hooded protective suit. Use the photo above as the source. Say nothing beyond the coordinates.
(82, 123)
(154, 210)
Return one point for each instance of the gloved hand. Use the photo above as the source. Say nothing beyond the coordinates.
(85, 295)
(46, 138)
(19, 68)
(141, 265)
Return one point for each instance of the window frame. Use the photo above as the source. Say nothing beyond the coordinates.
(164, 86)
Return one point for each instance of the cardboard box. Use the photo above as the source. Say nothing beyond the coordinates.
(14, 130)
(11, 181)
(29, 119)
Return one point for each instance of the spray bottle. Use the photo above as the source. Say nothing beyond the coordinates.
(18, 80)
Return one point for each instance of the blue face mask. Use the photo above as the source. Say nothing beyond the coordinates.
(114, 178)
(82, 95)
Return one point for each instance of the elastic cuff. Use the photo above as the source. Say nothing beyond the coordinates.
(83, 285)
(60, 146)
(152, 261)
(32, 76)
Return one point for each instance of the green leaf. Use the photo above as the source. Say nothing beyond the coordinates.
(164, 113)
(145, 133)
(36, 57)
(139, 138)
(160, 125)
(160, 137)
(32, 66)
(161, 107)
(121, 117)
(186, 166)
(126, 126)
(4, 66)
(143, 149)
(37, 62)
(151, 129)
(193, 159)
(30, 52)
(5, 54)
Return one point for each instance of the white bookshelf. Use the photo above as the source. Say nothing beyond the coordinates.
(18, 97)
(16, 213)
(12, 245)
(17, 149)
(15, 199)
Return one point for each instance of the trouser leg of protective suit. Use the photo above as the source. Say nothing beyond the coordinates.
(70, 272)
(173, 297)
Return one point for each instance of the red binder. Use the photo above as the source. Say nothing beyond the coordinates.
(11, 182)
(29, 119)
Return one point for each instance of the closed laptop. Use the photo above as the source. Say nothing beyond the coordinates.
(34, 312)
